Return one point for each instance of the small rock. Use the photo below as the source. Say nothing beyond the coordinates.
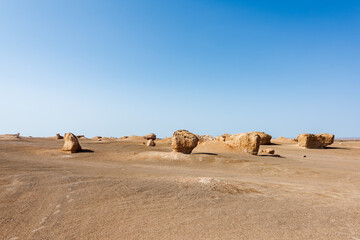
(269, 151)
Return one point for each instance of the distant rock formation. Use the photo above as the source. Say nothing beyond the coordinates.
(150, 136)
(184, 141)
(151, 143)
(96, 138)
(284, 140)
(71, 143)
(247, 142)
(223, 137)
(322, 140)
(58, 136)
(166, 140)
(265, 138)
(203, 138)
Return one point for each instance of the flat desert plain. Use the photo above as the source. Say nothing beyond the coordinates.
(122, 189)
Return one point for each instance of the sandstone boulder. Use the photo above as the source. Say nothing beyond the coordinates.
(322, 140)
(58, 136)
(265, 138)
(184, 141)
(247, 142)
(150, 136)
(71, 143)
(151, 143)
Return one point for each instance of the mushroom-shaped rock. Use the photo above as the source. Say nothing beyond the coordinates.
(71, 143)
(151, 143)
(322, 140)
(184, 141)
(150, 136)
(265, 138)
(247, 142)
(58, 136)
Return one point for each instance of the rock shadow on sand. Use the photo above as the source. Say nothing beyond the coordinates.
(206, 153)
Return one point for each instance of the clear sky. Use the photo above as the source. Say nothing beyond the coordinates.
(114, 68)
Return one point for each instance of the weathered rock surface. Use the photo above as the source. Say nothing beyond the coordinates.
(184, 141)
(247, 142)
(151, 143)
(265, 138)
(71, 143)
(150, 136)
(322, 140)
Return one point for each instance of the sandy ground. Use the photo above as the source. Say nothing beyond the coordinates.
(125, 190)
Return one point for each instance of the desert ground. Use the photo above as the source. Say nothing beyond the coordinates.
(123, 189)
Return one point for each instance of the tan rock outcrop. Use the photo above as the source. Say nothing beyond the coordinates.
(151, 143)
(265, 138)
(184, 141)
(322, 140)
(71, 143)
(247, 142)
(150, 136)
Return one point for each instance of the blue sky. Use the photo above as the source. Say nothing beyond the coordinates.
(115, 68)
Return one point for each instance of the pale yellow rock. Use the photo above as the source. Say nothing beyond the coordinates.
(322, 140)
(184, 141)
(71, 143)
(265, 138)
(247, 142)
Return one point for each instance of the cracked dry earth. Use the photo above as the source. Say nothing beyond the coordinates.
(125, 190)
